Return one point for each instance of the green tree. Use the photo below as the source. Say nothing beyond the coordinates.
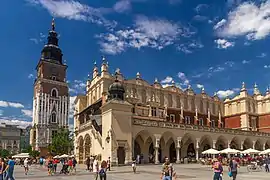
(62, 142)
(28, 149)
(4, 153)
(34, 153)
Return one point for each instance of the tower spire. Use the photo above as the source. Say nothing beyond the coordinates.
(53, 24)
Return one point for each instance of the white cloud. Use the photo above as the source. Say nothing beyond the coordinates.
(1, 112)
(146, 32)
(262, 55)
(226, 93)
(223, 43)
(199, 86)
(167, 80)
(30, 76)
(34, 40)
(122, 6)
(73, 10)
(26, 112)
(183, 78)
(250, 19)
(77, 86)
(11, 104)
(229, 63)
(266, 66)
(245, 62)
(20, 123)
(220, 24)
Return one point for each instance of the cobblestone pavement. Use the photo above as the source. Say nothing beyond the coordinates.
(146, 172)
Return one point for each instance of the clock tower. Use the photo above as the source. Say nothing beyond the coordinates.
(51, 97)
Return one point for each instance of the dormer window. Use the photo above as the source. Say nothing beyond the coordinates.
(201, 121)
(172, 118)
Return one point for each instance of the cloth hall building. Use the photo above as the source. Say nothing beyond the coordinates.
(122, 118)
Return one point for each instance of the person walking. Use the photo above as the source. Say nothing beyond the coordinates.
(233, 165)
(96, 168)
(10, 169)
(218, 169)
(103, 170)
(26, 166)
(267, 164)
(168, 172)
(2, 168)
(87, 162)
(134, 166)
(109, 164)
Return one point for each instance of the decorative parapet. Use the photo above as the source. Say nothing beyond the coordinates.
(153, 123)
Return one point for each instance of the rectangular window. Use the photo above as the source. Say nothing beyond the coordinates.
(187, 120)
(54, 133)
(172, 118)
(213, 124)
(154, 111)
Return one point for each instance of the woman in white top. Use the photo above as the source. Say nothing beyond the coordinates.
(26, 166)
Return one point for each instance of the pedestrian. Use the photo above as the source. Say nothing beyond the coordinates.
(70, 166)
(233, 165)
(96, 168)
(134, 166)
(103, 170)
(267, 164)
(168, 172)
(87, 162)
(26, 166)
(10, 169)
(2, 168)
(109, 164)
(218, 169)
(74, 162)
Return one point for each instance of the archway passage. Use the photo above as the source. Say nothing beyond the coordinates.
(247, 144)
(221, 143)
(121, 155)
(137, 149)
(80, 150)
(191, 150)
(259, 145)
(172, 153)
(235, 143)
(87, 146)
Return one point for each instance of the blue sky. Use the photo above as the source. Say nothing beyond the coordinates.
(203, 43)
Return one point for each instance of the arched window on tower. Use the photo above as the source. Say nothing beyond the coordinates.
(53, 117)
(54, 93)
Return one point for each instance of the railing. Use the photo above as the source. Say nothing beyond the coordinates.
(89, 125)
(153, 123)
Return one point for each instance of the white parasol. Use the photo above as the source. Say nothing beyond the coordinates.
(210, 151)
(64, 156)
(229, 151)
(250, 151)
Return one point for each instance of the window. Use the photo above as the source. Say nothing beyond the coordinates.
(53, 117)
(54, 92)
(172, 118)
(154, 111)
(14, 142)
(221, 125)
(187, 120)
(201, 121)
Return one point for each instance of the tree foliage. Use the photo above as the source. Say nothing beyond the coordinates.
(62, 142)
(4, 153)
(34, 153)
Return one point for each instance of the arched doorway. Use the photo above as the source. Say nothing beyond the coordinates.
(87, 146)
(221, 143)
(247, 144)
(235, 143)
(80, 143)
(121, 155)
(137, 149)
(191, 150)
(153, 155)
(172, 153)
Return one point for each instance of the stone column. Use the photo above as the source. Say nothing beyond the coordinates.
(182, 115)
(214, 144)
(178, 148)
(264, 146)
(229, 144)
(196, 116)
(253, 144)
(150, 111)
(157, 143)
(197, 148)
(242, 146)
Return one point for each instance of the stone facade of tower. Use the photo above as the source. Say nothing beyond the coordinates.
(51, 95)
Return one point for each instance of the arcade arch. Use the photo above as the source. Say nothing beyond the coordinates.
(206, 142)
(259, 145)
(221, 143)
(80, 147)
(235, 143)
(247, 144)
(87, 145)
(188, 146)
